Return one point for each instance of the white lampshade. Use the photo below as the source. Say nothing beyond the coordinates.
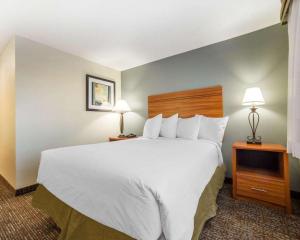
(121, 107)
(253, 96)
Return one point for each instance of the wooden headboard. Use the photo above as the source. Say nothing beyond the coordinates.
(203, 101)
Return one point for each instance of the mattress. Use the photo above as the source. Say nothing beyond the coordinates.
(143, 188)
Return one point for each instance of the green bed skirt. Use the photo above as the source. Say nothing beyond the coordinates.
(76, 226)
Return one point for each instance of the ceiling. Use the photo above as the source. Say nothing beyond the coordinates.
(122, 34)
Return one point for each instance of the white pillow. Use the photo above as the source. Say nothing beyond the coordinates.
(188, 127)
(213, 129)
(169, 126)
(152, 127)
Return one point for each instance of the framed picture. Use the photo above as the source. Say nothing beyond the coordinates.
(100, 94)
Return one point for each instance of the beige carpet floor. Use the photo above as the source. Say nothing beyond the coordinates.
(235, 220)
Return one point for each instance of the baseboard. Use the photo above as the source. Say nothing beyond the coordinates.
(294, 194)
(7, 184)
(228, 180)
(27, 189)
(19, 191)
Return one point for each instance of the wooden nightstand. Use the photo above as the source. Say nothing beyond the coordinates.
(261, 172)
(113, 139)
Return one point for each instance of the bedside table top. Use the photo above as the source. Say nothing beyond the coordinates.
(259, 147)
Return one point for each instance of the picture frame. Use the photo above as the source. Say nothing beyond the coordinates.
(100, 94)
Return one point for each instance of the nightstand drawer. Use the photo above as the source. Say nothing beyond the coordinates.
(261, 188)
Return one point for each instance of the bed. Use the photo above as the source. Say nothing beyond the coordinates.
(139, 188)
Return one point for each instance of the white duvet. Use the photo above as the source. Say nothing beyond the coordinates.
(148, 189)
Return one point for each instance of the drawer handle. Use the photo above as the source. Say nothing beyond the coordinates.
(258, 189)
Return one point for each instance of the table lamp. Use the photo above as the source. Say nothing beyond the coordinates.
(253, 97)
(121, 107)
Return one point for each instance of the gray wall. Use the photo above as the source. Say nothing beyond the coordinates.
(7, 114)
(50, 105)
(256, 59)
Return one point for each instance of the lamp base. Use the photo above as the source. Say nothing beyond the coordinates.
(254, 140)
(253, 119)
(121, 136)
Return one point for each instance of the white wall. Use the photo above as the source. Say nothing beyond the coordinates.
(50, 105)
(7, 114)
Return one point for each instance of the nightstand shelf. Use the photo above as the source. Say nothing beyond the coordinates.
(260, 172)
